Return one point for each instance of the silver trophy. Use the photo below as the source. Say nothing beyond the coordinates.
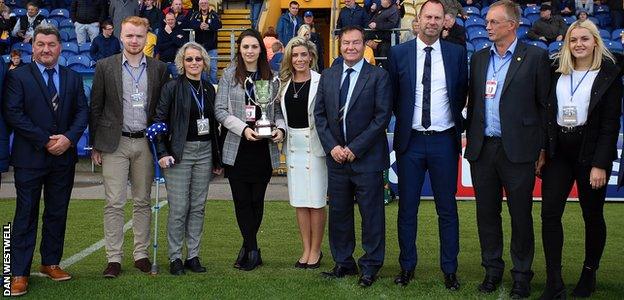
(262, 91)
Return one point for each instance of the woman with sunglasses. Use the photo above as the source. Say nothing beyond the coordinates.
(583, 123)
(189, 154)
(248, 158)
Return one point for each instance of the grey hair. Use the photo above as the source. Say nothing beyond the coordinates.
(179, 58)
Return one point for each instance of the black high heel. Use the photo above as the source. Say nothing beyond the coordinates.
(317, 264)
(586, 284)
(253, 261)
(241, 259)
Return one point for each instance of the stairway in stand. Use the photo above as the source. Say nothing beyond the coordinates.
(234, 20)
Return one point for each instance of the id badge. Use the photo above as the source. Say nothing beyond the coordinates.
(250, 113)
(569, 116)
(137, 99)
(490, 89)
(203, 126)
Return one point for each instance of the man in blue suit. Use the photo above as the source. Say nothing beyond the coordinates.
(46, 107)
(353, 108)
(430, 77)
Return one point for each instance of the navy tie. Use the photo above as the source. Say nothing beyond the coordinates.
(426, 82)
(52, 88)
(344, 91)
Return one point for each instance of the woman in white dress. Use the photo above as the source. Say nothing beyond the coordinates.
(307, 172)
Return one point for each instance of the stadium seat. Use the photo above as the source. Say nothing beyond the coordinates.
(477, 36)
(25, 48)
(538, 44)
(569, 20)
(474, 21)
(604, 20)
(605, 34)
(69, 49)
(471, 10)
(53, 22)
(594, 20)
(26, 58)
(19, 12)
(480, 45)
(59, 14)
(531, 10)
(601, 9)
(44, 12)
(80, 63)
(470, 48)
(521, 32)
(66, 23)
(616, 35)
(459, 21)
(533, 18)
(484, 11)
(85, 48)
(62, 60)
(83, 142)
(615, 46)
(554, 47)
(6, 58)
(68, 35)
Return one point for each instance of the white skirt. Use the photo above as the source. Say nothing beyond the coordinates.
(307, 173)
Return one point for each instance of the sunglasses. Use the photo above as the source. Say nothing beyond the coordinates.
(197, 59)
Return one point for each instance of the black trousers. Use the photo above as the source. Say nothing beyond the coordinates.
(558, 176)
(249, 207)
(491, 173)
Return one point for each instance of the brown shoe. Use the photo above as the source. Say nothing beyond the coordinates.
(143, 264)
(19, 285)
(55, 273)
(112, 270)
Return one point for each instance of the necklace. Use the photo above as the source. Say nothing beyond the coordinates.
(296, 94)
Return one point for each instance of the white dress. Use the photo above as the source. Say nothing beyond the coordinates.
(307, 173)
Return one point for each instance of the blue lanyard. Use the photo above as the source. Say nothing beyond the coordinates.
(136, 80)
(494, 65)
(200, 104)
(573, 89)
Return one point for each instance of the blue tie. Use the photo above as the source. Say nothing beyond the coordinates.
(52, 88)
(344, 91)
(426, 82)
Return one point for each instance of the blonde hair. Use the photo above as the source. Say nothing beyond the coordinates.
(565, 58)
(179, 58)
(286, 68)
(305, 28)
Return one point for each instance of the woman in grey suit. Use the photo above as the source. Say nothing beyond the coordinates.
(249, 160)
(304, 153)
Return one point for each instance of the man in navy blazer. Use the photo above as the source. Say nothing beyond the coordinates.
(430, 77)
(353, 108)
(46, 107)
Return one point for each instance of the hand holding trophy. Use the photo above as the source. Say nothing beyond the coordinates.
(262, 91)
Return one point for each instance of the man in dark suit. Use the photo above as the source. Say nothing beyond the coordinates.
(46, 107)
(509, 85)
(427, 135)
(126, 88)
(4, 130)
(352, 112)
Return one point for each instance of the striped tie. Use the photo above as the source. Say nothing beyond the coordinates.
(52, 88)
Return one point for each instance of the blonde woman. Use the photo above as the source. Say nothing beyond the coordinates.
(307, 171)
(583, 127)
(188, 154)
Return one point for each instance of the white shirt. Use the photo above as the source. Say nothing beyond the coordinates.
(581, 96)
(441, 117)
(353, 77)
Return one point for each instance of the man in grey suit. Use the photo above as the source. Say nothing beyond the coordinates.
(507, 98)
(126, 88)
(353, 108)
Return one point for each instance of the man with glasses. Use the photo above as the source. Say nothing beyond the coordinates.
(509, 85)
(105, 44)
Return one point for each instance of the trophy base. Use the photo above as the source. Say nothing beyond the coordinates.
(264, 132)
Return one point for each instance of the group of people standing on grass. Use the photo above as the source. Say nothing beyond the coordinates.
(526, 116)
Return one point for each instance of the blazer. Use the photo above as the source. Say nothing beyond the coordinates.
(230, 112)
(368, 115)
(522, 106)
(27, 109)
(107, 99)
(315, 143)
(402, 69)
(174, 109)
(4, 130)
(600, 134)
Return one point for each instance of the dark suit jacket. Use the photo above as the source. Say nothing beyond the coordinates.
(27, 109)
(522, 105)
(402, 69)
(4, 130)
(107, 102)
(368, 115)
(600, 135)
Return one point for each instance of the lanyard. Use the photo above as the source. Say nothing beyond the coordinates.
(200, 104)
(136, 80)
(494, 66)
(573, 89)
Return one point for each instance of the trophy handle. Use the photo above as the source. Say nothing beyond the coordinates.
(279, 83)
(253, 86)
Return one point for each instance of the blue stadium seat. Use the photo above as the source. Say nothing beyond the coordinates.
(471, 10)
(521, 32)
(615, 46)
(531, 10)
(62, 60)
(25, 48)
(19, 12)
(69, 49)
(594, 20)
(44, 12)
(477, 34)
(533, 18)
(605, 34)
(569, 20)
(601, 9)
(470, 48)
(85, 48)
(459, 21)
(66, 23)
(616, 35)
(68, 35)
(26, 58)
(481, 45)
(554, 47)
(53, 22)
(538, 44)
(59, 14)
(474, 21)
(83, 142)
(6, 58)
(484, 11)
(80, 63)
(604, 20)
(525, 22)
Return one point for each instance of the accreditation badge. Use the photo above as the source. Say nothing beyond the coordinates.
(569, 116)
(203, 126)
(490, 89)
(250, 113)
(138, 99)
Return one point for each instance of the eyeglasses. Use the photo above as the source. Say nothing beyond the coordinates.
(496, 22)
(197, 59)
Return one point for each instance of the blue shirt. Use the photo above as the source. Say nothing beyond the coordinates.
(55, 77)
(492, 105)
(357, 68)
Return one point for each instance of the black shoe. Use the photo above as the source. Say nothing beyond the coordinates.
(450, 282)
(300, 265)
(317, 264)
(366, 280)
(253, 261)
(586, 284)
(176, 267)
(340, 272)
(555, 288)
(404, 277)
(194, 265)
(241, 259)
(520, 290)
(489, 284)
(550, 294)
